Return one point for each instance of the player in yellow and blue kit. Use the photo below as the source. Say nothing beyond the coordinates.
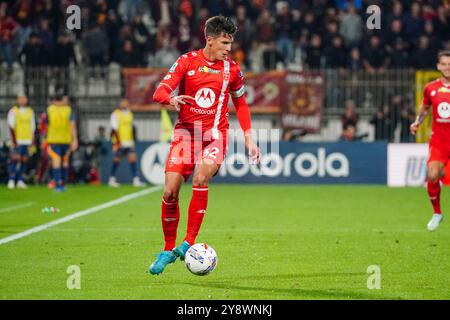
(123, 143)
(61, 139)
(21, 123)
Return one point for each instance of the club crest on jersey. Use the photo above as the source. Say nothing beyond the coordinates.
(205, 69)
(205, 98)
(443, 110)
(174, 66)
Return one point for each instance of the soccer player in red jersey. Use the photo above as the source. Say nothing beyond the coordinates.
(205, 78)
(437, 97)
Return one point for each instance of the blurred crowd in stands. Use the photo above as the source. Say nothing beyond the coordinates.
(272, 34)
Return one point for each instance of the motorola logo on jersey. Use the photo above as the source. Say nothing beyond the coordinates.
(443, 110)
(205, 98)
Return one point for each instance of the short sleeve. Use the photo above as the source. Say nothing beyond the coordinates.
(114, 121)
(426, 96)
(176, 73)
(12, 118)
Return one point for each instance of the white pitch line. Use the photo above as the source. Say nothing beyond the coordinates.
(25, 205)
(78, 214)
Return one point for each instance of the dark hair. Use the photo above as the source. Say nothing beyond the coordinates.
(218, 25)
(443, 53)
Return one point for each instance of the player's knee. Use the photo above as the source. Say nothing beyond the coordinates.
(200, 180)
(433, 175)
(170, 194)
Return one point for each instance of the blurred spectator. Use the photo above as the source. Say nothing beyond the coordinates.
(142, 38)
(413, 23)
(46, 35)
(127, 9)
(8, 30)
(238, 54)
(375, 56)
(355, 61)
(65, 55)
(383, 123)
(167, 55)
(283, 31)
(332, 31)
(314, 52)
(336, 54)
(34, 54)
(244, 35)
(96, 45)
(204, 15)
(351, 28)
(254, 58)
(349, 134)
(395, 33)
(101, 146)
(113, 26)
(398, 56)
(272, 58)
(424, 57)
(350, 116)
(310, 24)
(407, 117)
(265, 27)
(183, 34)
(128, 55)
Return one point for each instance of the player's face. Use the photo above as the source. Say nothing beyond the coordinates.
(220, 46)
(22, 101)
(123, 104)
(444, 66)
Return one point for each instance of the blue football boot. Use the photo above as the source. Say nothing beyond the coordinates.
(181, 250)
(164, 258)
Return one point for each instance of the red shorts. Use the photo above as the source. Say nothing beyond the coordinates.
(438, 154)
(185, 153)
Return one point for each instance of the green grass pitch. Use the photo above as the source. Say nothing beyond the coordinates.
(273, 242)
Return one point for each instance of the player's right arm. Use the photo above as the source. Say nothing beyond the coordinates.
(423, 111)
(12, 126)
(163, 94)
(115, 129)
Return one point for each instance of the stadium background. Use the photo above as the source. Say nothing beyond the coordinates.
(313, 68)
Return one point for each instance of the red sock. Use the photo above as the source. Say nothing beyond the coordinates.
(197, 210)
(170, 215)
(434, 191)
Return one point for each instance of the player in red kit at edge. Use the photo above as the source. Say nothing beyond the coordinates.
(437, 97)
(205, 78)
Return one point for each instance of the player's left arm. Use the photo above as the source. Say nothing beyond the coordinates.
(11, 119)
(73, 132)
(237, 92)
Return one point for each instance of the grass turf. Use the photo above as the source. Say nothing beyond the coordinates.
(273, 242)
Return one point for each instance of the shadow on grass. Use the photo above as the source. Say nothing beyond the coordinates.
(293, 291)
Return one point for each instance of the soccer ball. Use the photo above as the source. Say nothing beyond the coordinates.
(201, 259)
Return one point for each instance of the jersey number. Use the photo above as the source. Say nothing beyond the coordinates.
(211, 153)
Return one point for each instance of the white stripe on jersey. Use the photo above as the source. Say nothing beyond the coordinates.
(226, 79)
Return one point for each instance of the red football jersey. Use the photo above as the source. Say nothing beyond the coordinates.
(210, 83)
(437, 95)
